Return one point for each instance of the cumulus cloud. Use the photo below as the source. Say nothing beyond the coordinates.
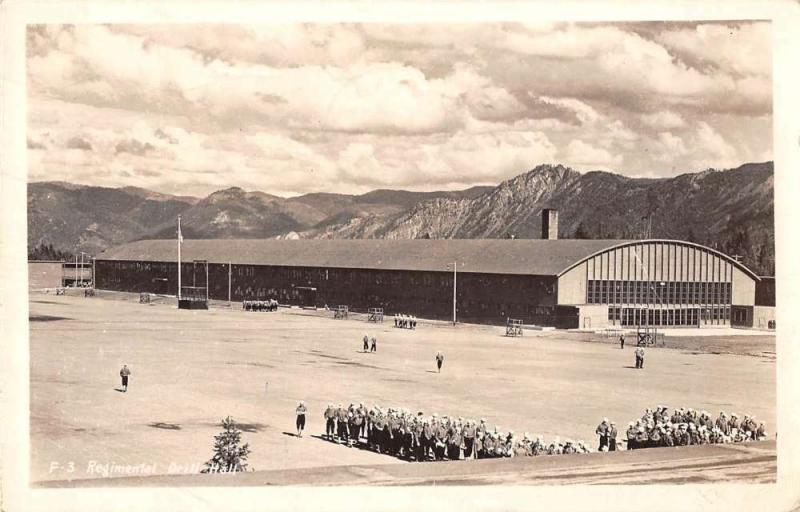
(292, 108)
(664, 120)
(79, 143)
(32, 144)
(583, 155)
(133, 147)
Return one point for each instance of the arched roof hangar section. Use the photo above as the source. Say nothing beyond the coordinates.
(656, 260)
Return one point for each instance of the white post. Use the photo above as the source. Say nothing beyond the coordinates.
(455, 277)
(229, 284)
(179, 257)
(75, 284)
(82, 269)
(206, 281)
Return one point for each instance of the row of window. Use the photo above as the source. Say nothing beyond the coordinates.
(368, 277)
(137, 265)
(677, 316)
(646, 292)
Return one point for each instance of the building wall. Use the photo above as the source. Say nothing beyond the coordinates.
(486, 298)
(592, 316)
(659, 283)
(44, 274)
(764, 317)
(744, 289)
(572, 286)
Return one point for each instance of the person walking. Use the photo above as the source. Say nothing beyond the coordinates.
(301, 418)
(439, 361)
(374, 347)
(366, 343)
(125, 372)
(622, 341)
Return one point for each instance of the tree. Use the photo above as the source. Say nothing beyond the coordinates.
(581, 233)
(45, 251)
(228, 457)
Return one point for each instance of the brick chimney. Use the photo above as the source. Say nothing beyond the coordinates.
(549, 224)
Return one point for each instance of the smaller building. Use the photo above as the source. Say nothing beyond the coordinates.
(762, 314)
(45, 274)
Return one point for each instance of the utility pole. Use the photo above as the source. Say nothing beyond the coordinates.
(455, 279)
(180, 240)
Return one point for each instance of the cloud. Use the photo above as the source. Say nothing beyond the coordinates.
(672, 145)
(161, 134)
(585, 156)
(663, 120)
(134, 147)
(740, 48)
(32, 144)
(79, 143)
(291, 108)
(719, 152)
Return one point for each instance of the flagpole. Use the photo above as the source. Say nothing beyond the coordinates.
(179, 257)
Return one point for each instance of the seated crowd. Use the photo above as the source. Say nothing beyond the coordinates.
(682, 428)
(400, 433)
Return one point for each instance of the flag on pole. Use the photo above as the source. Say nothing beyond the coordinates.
(180, 242)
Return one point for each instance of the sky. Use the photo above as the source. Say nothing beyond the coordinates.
(290, 109)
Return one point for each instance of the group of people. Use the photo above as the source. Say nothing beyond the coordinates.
(370, 347)
(405, 321)
(400, 433)
(260, 305)
(683, 427)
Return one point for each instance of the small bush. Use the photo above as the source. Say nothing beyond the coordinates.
(228, 457)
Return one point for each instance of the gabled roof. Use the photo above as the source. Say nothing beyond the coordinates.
(489, 256)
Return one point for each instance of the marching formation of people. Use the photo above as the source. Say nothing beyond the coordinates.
(683, 427)
(400, 433)
(260, 305)
(405, 321)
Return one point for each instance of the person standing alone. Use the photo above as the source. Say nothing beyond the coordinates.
(622, 341)
(301, 418)
(125, 373)
(439, 361)
(639, 357)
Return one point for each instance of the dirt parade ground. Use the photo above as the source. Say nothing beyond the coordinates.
(190, 369)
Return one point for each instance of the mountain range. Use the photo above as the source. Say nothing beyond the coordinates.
(730, 210)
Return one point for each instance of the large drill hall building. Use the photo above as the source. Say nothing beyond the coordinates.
(548, 282)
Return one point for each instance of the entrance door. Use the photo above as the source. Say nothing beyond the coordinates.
(587, 322)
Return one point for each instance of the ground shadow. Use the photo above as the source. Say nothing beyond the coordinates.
(362, 365)
(251, 427)
(164, 426)
(432, 371)
(120, 390)
(46, 318)
(362, 445)
(291, 434)
(632, 367)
